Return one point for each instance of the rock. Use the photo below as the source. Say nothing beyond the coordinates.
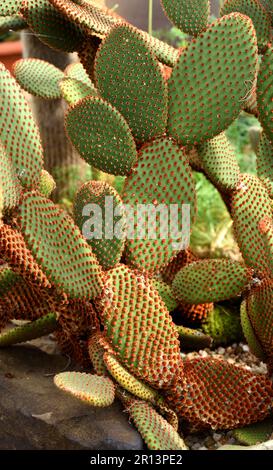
(34, 414)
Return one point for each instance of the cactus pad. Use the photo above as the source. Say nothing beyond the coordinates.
(222, 395)
(9, 7)
(157, 433)
(14, 251)
(264, 163)
(264, 92)
(223, 326)
(249, 334)
(219, 161)
(191, 16)
(139, 327)
(211, 81)
(266, 230)
(254, 433)
(161, 178)
(256, 12)
(8, 181)
(102, 136)
(18, 131)
(47, 184)
(105, 242)
(211, 280)
(129, 77)
(73, 90)
(77, 71)
(53, 28)
(41, 327)
(92, 389)
(182, 258)
(193, 340)
(128, 381)
(38, 77)
(166, 294)
(56, 243)
(250, 203)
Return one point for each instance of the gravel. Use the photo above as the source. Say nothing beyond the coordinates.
(236, 354)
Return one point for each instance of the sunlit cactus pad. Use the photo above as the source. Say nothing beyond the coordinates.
(129, 77)
(107, 240)
(74, 90)
(256, 12)
(9, 183)
(255, 433)
(128, 381)
(38, 77)
(166, 294)
(211, 281)
(191, 16)
(157, 433)
(47, 184)
(222, 395)
(92, 389)
(102, 136)
(58, 246)
(9, 7)
(211, 81)
(250, 203)
(161, 177)
(219, 161)
(139, 327)
(53, 28)
(77, 71)
(18, 131)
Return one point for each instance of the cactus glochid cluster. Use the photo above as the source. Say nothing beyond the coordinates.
(138, 108)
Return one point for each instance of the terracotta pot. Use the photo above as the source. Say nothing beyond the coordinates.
(10, 51)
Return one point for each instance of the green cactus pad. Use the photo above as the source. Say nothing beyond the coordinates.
(220, 395)
(166, 54)
(249, 204)
(223, 325)
(249, 334)
(191, 16)
(92, 389)
(129, 77)
(11, 189)
(47, 184)
(59, 248)
(219, 161)
(259, 309)
(91, 18)
(256, 12)
(268, 5)
(14, 251)
(11, 23)
(52, 27)
(211, 280)
(77, 71)
(162, 176)
(193, 340)
(139, 327)
(18, 131)
(73, 90)
(210, 82)
(41, 327)
(156, 432)
(38, 77)
(264, 92)
(266, 230)
(166, 294)
(127, 380)
(101, 135)
(9, 7)
(264, 163)
(183, 258)
(255, 433)
(106, 241)
(96, 352)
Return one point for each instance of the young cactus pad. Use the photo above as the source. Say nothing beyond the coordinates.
(38, 77)
(57, 245)
(200, 86)
(101, 135)
(40, 327)
(92, 389)
(129, 77)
